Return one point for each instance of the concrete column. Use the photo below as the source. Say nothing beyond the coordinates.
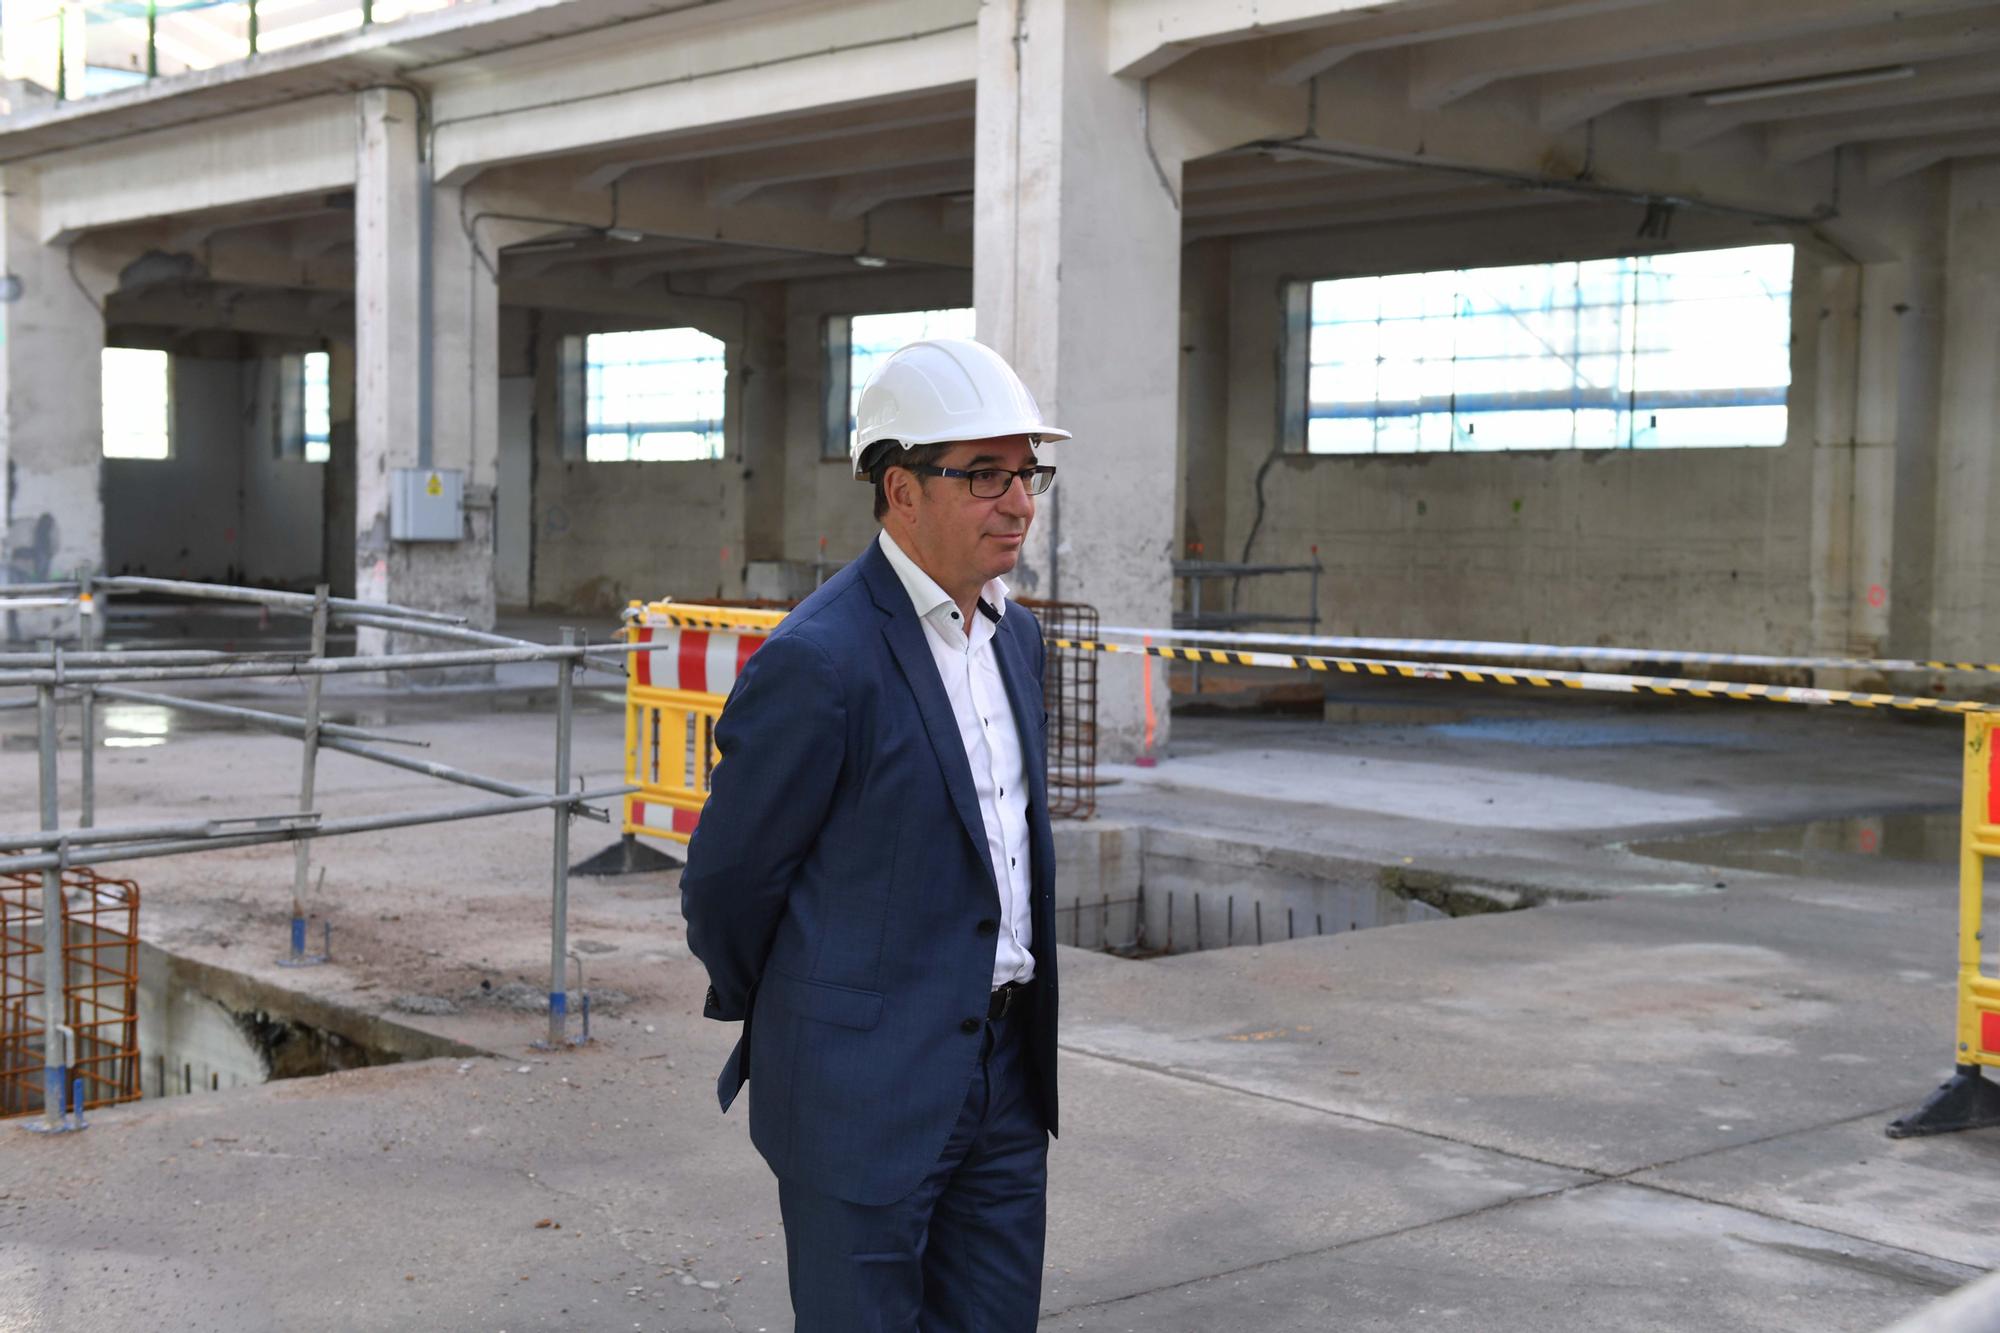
(1076, 276)
(426, 376)
(51, 409)
(1855, 423)
(1966, 587)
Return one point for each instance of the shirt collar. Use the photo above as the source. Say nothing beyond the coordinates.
(925, 594)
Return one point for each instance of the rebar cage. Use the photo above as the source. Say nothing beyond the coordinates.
(1069, 692)
(100, 989)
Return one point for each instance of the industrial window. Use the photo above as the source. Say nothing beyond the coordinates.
(316, 407)
(305, 408)
(647, 395)
(138, 403)
(857, 344)
(1651, 352)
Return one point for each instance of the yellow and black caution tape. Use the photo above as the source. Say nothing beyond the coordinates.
(1601, 681)
(1455, 648)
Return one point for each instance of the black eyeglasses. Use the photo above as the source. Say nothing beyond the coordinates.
(990, 483)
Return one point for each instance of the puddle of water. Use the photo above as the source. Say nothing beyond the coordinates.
(1554, 734)
(1925, 837)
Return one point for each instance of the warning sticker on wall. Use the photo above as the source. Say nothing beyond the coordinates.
(434, 485)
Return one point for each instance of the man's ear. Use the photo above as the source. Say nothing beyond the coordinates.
(895, 485)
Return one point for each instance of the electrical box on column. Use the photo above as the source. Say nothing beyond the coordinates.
(426, 504)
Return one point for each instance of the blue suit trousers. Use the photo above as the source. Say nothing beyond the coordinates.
(962, 1253)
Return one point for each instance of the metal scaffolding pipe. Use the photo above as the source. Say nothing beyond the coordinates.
(445, 772)
(143, 657)
(290, 601)
(54, 972)
(334, 666)
(254, 716)
(559, 907)
(179, 828)
(309, 762)
(24, 589)
(331, 828)
(434, 630)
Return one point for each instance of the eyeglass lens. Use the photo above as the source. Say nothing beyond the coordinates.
(992, 483)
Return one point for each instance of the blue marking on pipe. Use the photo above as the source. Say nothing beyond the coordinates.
(558, 1002)
(76, 1105)
(298, 936)
(55, 1082)
(586, 1015)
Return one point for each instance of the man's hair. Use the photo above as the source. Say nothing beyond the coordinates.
(890, 454)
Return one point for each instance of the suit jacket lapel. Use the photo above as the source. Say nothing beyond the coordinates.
(906, 641)
(1026, 698)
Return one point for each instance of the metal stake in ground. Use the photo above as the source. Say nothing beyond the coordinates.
(87, 633)
(308, 773)
(55, 1074)
(559, 909)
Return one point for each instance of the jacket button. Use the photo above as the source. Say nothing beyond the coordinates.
(988, 927)
(969, 1025)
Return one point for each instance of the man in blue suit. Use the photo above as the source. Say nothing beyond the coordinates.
(871, 886)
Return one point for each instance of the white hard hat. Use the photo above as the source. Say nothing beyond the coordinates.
(945, 389)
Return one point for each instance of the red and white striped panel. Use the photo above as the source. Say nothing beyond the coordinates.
(659, 815)
(705, 661)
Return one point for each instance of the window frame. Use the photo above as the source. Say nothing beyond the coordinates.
(573, 396)
(1295, 364)
(837, 397)
(170, 442)
(291, 440)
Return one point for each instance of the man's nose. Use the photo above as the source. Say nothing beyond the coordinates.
(1016, 500)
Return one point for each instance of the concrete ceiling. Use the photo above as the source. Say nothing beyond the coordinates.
(1847, 89)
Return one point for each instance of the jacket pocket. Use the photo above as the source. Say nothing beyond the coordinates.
(825, 1002)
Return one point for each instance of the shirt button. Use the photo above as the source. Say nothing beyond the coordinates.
(1011, 861)
(969, 1025)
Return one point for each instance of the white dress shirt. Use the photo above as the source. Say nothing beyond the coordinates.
(971, 677)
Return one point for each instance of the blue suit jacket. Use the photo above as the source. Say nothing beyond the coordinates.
(839, 892)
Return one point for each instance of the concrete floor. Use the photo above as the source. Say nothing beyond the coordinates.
(1660, 1109)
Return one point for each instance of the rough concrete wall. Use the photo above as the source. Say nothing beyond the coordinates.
(1965, 613)
(283, 498)
(605, 533)
(822, 498)
(1697, 548)
(182, 517)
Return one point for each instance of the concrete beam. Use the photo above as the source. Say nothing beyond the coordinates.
(1570, 99)
(855, 195)
(1302, 57)
(1446, 71)
(1463, 201)
(1147, 36)
(234, 309)
(1316, 189)
(733, 179)
(888, 117)
(1883, 163)
(783, 64)
(546, 192)
(723, 282)
(1808, 138)
(1361, 118)
(635, 308)
(300, 149)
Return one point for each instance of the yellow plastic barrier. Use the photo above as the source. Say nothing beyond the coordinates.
(1967, 1100)
(673, 695)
